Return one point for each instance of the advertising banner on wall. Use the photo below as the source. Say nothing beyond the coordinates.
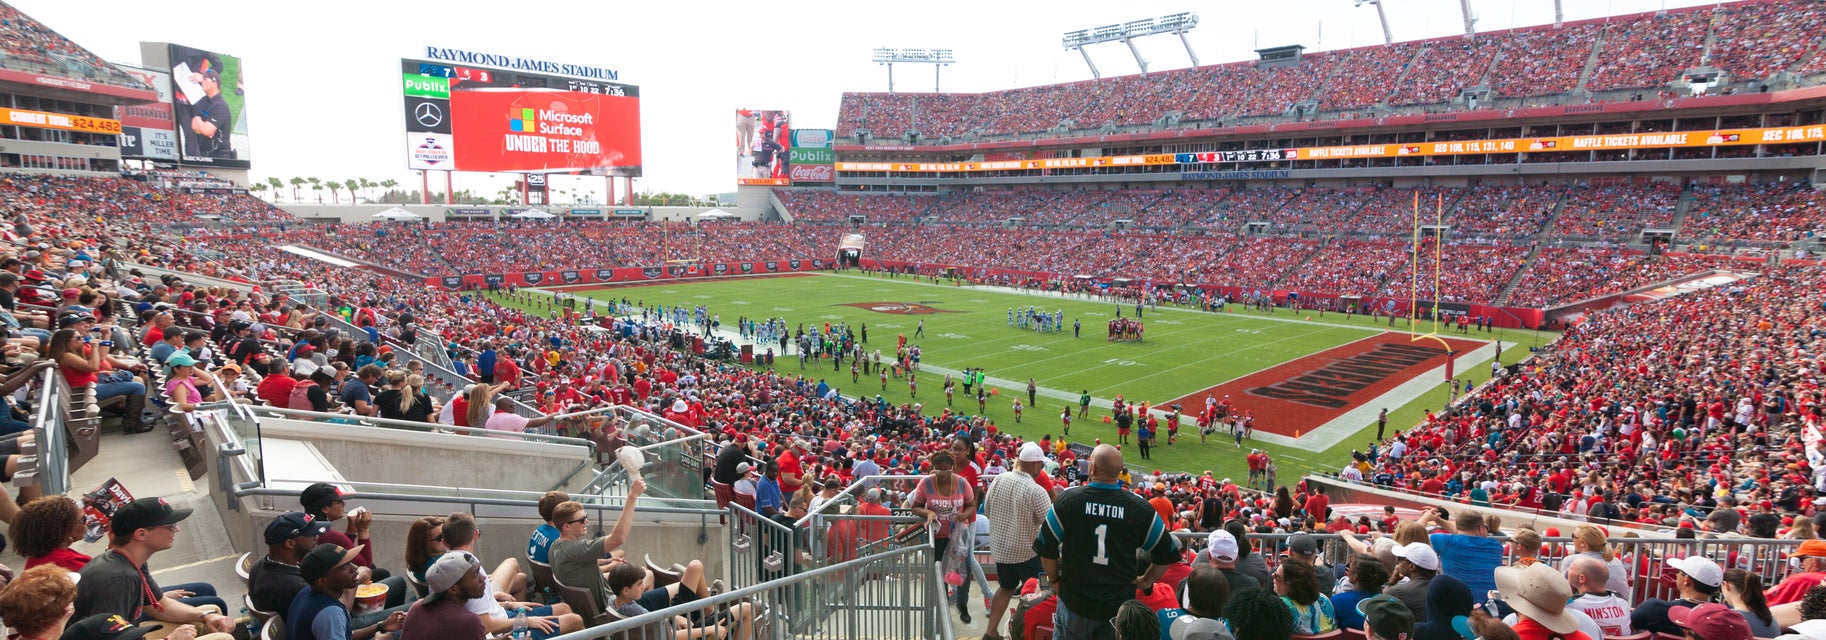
(763, 138)
(209, 108)
(148, 144)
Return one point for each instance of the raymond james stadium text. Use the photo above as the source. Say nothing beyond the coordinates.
(523, 64)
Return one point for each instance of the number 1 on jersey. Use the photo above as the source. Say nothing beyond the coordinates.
(1103, 556)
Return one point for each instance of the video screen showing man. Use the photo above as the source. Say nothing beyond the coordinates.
(203, 116)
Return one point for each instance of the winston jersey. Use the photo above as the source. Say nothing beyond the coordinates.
(1095, 533)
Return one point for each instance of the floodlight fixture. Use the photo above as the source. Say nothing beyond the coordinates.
(938, 58)
(1126, 33)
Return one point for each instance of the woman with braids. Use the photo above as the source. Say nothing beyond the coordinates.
(1259, 614)
(44, 531)
(1743, 592)
(1367, 576)
(1135, 621)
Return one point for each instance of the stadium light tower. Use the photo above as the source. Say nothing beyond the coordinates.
(1388, 37)
(1464, 7)
(1126, 33)
(938, 58)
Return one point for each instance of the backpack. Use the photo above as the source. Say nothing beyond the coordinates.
(301, 396)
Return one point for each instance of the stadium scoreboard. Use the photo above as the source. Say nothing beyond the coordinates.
(471, 118)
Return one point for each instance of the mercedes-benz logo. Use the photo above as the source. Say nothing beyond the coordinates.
(428, 114)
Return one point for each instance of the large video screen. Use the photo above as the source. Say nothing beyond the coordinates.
(475, 119)
(209, 107)
(763, 138)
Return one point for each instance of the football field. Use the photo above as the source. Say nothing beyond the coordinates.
(1295, 372)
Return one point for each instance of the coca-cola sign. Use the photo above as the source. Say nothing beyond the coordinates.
(814, 173)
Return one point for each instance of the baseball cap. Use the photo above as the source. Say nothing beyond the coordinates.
(145, 513)
(1538, 592)
(319, 495)
(180, 360)
(1222, 546)
(1031, 452)
(1304, 544)
(68, 320)
(104, 626)
(1420, 554)
(1196, 628)
(447, 571)
(744, 469)
(1810, 548)
(1712, 621)
(325, 557)
(1699, 568)
(1389, 618)
(294, 524)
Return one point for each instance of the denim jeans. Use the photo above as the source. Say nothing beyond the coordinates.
(203, 594)
(117, 383)
(1070, 626)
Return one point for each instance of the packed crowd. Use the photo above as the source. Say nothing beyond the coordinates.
(26, 40)
(1617, 211)
(1563, 416)
(1749, 40)
(1778, 212)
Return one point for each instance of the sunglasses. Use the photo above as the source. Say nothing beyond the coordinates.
(437, 538)
(579, 520)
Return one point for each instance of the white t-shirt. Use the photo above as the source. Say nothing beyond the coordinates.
(1611, 613)
(486, 605)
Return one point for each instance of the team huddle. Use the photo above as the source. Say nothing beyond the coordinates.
(1125, 330)
(1036, 319)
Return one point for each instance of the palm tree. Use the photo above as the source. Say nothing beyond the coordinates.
(256, 188)
(351, 184)
(389, 184)
(316, 187)
(276, 185)
(296, 183)
(367, 187)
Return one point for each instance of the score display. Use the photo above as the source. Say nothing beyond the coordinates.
(462, 118)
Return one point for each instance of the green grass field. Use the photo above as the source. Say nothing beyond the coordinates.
(1185, 351)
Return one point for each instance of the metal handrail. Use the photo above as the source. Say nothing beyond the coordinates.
(421, 426)
(52, 468)
(730, 598)
(241, 492)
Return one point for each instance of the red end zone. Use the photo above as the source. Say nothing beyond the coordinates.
(1299, 395)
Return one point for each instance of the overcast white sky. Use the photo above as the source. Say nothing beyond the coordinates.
(323, 95)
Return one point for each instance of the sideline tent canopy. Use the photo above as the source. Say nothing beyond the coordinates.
(533, 214)
(716, 214)
(397, 213)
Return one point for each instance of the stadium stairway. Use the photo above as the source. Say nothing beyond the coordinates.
(1591, 62)
(1534, 250)
(779, 207)
(1682, 207)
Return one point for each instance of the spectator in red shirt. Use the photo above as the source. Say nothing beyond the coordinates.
(1317, 505)
(276, 387)
(44, 530)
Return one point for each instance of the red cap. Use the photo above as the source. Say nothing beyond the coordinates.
(1712, 621)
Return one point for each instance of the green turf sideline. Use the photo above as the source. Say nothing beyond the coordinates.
(1224, 459)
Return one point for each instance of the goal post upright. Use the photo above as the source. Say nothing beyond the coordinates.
(1438, 272)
